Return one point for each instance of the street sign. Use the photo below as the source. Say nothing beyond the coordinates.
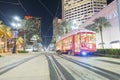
(15, 34)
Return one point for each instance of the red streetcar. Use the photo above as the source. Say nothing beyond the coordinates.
(77, 42)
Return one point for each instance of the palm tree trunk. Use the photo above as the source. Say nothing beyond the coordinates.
(33, 46)
(24, 45)
(102, 42)
(8, 45)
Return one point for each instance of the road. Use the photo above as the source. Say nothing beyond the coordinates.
(45, 66)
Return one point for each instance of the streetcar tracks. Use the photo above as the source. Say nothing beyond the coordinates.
(59, 73)
(57, 70)
(118, 63)
(108, 74)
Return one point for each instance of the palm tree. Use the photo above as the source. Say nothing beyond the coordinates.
(36, 38)
(98, 25)
(64, 27)
(30, 28)
(54, 38)
(19, 42)
(2, 30)
(69, 25)
(27, 32)
(1, 35)
(6, 35)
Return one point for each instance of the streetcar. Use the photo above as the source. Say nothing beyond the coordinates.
(77, 42)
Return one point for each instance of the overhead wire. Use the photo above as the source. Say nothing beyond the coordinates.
(23, 7)
(54, 17)
(46, 7)
(49, 13)
(59, 14)
(1, 12)
(19, 3)
(9, 3)
(55, 13)
(57, 8)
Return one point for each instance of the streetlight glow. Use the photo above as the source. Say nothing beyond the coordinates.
(17, 18)
(19, 25)
(16, 24)
(13, 24)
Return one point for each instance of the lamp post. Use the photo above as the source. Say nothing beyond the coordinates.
(15, 32)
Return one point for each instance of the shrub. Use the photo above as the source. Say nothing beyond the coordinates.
(35, 51)
(22, 51)
(109, 52)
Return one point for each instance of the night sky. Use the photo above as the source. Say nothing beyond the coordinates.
(46, 9)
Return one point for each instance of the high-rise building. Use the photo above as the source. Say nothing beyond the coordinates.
(56, 24)
(81, 10)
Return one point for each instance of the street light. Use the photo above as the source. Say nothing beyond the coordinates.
(15, 25)
(17, 18)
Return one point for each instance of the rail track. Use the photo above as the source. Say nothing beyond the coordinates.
(57, 72)
(105, 73)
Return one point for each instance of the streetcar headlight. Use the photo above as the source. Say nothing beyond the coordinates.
(84, 53)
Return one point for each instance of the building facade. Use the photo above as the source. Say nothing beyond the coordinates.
(81, 10)
(111, 34)
(56, 24)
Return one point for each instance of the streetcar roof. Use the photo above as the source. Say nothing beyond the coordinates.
(74, 32)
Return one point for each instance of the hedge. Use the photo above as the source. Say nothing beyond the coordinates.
(22, 51)
(109, 52)
(35, 51)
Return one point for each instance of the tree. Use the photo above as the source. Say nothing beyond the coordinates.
(54, 38)
(30, 27)
(98, 25)
(19, 42)
(2, 30)
(5, 35)
(63, 28)
(8, 33)
(36, 38)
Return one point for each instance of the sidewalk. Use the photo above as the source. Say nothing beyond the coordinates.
(34, 69)
(9, 58)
